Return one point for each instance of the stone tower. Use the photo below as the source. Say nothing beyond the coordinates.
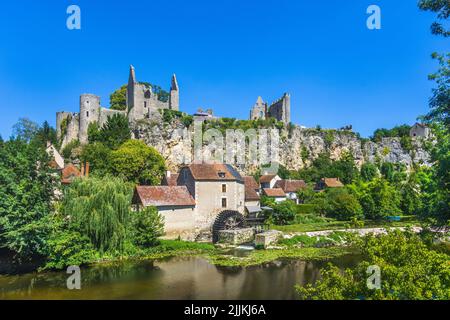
(281, 109)
(142, 101)
(259, 110)
(89, 112)
(174, 100)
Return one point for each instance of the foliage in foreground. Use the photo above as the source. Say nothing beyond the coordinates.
(409, 271)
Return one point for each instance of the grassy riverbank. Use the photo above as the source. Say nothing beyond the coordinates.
(341, 225)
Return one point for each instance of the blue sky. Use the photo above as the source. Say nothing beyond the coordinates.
(225, 54)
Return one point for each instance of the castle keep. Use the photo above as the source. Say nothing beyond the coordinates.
(140, 100)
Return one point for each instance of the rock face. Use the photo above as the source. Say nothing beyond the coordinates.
(297, 147)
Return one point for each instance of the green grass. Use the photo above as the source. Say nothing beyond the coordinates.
(258, 257)
(335, 225)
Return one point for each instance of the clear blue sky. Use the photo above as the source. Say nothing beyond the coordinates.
(225, 54)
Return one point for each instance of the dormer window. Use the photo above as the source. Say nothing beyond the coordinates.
(221, 175)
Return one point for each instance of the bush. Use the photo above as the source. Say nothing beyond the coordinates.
(339, 204)
(68, 248)
(305, 209)
(148, 225)
(284, 212)
(67, 150)
(136, 162)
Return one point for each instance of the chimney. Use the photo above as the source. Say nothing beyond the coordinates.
(82, 170)
(86, 169)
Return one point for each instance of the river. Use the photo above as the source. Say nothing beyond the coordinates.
(171, 278)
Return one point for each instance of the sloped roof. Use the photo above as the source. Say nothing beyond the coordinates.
(290, 185)
(69, 173)
(250, 188)
(332, 182)
(160, 196)
(214, 172)
(171, 181)
(275, 192)
(267, 178)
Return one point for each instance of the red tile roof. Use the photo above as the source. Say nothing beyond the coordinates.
(267, 178)
(160, 196)
(290, 185)
(275, 192)
(332, 182)
(220, 172)
(69, 173)
(171, 181)
(250, 189)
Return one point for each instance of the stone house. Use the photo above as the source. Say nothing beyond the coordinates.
(268, 181)
(174, 203)
(252, 198)
(420, 130)
(203, 192)
(290, 187)
(275, 193)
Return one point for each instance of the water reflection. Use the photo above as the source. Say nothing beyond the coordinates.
(172, 278)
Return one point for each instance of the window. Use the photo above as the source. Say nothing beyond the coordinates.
(87, 114)
(224, 188)
(221, 174)
(145, 104)
(224, 202)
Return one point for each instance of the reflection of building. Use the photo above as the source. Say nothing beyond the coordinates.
(420, 130)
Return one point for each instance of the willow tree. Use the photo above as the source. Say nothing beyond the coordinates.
(99, 208)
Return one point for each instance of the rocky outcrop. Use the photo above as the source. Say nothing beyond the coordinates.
(298, 147)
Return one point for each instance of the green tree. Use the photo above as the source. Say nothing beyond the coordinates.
(148, 225)
(26, 194)
(409, 271)
(114, 132)
(442, 8)
(99, 208)
(25, 129)
(118, 99)
(136, 162)
(306, 195)
(283, 212)
(369, 171)
(98, 156)
(340, 204)
(380, 200)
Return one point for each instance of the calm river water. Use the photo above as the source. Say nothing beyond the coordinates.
(172, 278)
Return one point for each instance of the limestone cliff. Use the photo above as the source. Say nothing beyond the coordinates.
(298, 147)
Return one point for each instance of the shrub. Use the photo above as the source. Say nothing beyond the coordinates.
(339, 204)
(68, 248)
(284, 212)
(148, 225)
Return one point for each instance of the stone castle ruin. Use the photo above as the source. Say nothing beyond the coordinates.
(141, 103)
(280, 109)
(140, 100)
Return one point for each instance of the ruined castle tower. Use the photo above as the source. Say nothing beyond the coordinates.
(280, 109)
(141, 100)
(259, 110)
